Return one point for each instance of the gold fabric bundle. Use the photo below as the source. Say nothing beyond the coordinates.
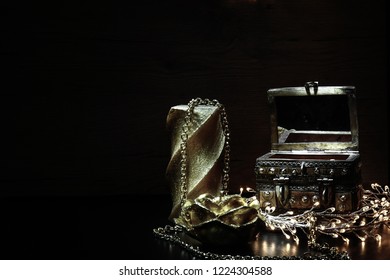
(204, 153)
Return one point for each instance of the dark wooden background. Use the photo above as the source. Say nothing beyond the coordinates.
(88, 87)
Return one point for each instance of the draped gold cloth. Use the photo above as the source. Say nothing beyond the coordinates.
(204, 153)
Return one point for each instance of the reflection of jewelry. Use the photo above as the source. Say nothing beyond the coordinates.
(318, 251)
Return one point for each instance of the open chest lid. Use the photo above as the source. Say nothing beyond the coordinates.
(314, 118)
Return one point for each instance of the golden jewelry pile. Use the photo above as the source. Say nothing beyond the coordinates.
(364, 223)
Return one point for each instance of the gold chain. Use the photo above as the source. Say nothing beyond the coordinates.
(183, 146)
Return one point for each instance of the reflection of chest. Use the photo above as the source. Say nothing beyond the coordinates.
(314, 155)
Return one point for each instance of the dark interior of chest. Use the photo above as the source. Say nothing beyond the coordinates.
(309, 157)
(300, 137)
(305, 119)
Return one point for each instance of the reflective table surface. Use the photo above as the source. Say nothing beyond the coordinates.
(121, 227)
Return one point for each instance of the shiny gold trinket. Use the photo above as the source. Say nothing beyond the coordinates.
(220, 220)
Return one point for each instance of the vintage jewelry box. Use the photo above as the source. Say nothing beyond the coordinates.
(314, 153)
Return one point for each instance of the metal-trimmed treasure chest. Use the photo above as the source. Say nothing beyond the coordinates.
(314, 153)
